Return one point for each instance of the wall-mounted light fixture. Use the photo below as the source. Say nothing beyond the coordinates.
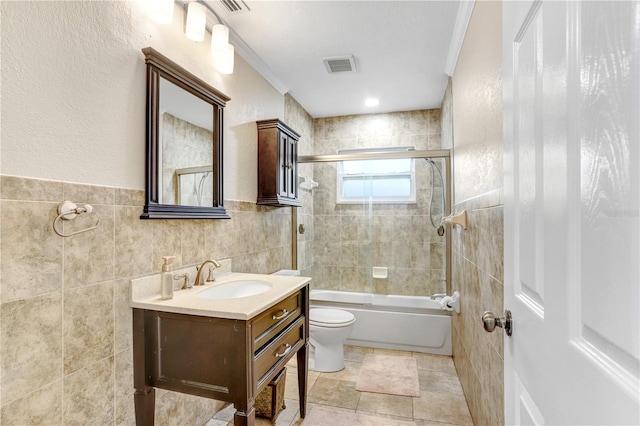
(221, 50)
(219, 37)
(224, 59)
(196, 21)
(195, 27)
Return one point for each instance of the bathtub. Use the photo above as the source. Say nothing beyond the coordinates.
(409, 323)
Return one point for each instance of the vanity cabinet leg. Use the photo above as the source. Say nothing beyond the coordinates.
(241, 418)
(303, 367)
(145, 407)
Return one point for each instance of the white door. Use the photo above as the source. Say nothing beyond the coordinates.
(572, 187)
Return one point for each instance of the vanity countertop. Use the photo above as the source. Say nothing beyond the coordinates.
(145, 294)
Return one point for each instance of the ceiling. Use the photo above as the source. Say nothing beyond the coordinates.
(401, 50)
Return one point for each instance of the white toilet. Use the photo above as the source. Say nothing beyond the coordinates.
(328, 329)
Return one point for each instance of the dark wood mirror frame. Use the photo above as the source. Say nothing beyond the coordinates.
(158, 66)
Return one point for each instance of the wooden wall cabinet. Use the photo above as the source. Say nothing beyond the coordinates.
(277, 164)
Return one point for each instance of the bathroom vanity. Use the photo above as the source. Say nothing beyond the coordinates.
(227, 349)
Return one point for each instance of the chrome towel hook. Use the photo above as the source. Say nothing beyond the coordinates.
(69, 211)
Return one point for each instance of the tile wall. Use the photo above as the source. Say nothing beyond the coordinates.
(477, 254)
(299, 120)
(349, 239)
(65, 320)
(472, 128)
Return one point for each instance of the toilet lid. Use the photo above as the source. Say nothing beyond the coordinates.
(330, 316)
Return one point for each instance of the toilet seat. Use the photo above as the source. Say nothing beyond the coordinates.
(330, 318)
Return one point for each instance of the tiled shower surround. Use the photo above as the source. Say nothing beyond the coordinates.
(348, 240)
(65, 329)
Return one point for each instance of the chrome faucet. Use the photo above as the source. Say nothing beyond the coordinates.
(210, 278)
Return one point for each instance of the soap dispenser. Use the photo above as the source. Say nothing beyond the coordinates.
(166, 278)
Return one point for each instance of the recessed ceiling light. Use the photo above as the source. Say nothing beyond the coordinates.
(371, 102)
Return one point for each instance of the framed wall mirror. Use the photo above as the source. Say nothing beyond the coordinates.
(184, 143)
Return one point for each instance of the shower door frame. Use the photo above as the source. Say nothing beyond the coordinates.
(445, 154)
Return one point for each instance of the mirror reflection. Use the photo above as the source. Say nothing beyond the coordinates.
(186, 157)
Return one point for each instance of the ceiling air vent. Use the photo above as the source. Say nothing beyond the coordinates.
(340, 64)
(235, 6)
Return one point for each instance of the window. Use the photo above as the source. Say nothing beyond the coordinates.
(388, 181)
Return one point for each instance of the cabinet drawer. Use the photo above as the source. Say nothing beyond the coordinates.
(280, 349)
(275, 319)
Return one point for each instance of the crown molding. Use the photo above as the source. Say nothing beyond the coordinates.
(457, 38)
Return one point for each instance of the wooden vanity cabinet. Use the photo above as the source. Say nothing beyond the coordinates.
(224, 359)
(277, 164)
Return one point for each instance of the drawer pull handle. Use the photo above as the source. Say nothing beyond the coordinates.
(286, 351)
(284, 314)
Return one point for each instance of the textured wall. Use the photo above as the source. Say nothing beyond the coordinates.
(73, 118)
(472, 110)
(73, 93)
(347, 242)
(477, 88)
(65, 320)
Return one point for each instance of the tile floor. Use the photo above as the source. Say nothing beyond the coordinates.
(441, 402)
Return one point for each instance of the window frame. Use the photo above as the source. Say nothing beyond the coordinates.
(340, 179)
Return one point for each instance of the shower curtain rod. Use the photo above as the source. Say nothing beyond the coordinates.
(438, 153)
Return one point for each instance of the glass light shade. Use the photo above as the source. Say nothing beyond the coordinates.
(196, 21)
(163, 11)
(223, 59)
(219, 38)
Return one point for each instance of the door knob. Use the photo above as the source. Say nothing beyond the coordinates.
(490, 321)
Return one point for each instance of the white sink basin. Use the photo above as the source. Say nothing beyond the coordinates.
(235, 289)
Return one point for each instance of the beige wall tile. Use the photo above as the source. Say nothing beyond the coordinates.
(123, 315)
(89, 257)
(31, 340)
(88, 194)
(88, 325)
(171, 408)
(133, 243)
(89, 394)
(129, 197)
(167, 241)
(31, 251)
(41, 407)
(123, 388)
(19, 188)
